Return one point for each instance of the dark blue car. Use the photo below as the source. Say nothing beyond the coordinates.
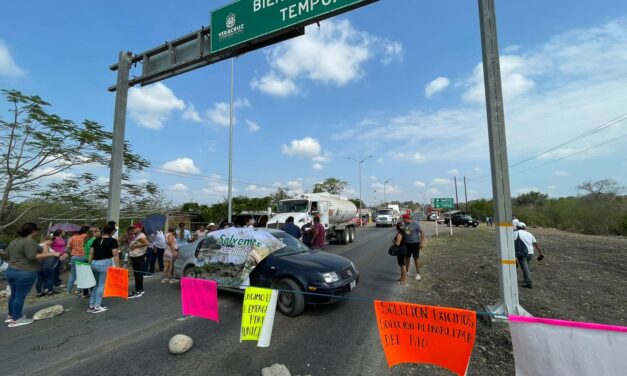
(322, 276)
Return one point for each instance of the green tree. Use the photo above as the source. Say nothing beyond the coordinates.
(597, 189)
(36, 145)
(531, 199)
(331, 185)
(357, 201)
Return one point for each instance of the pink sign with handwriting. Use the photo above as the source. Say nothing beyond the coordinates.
(199, 297)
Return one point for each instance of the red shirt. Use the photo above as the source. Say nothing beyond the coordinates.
(320, 235)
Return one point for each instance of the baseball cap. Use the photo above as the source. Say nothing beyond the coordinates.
(521, 225)
(138, 225)
(406, 216)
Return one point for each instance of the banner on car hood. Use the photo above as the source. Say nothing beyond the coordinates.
(228, 256)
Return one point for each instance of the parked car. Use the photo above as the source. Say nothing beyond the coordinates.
(292, 268)
(461, 219)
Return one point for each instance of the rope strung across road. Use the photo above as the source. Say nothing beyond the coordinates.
(338, 297)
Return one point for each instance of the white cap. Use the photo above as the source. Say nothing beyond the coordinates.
(521, 225)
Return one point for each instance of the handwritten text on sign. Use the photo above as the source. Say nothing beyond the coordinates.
(116, 284)
(413, 333)
(258, 315)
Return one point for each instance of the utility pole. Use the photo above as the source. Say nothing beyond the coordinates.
(465, 194)
(117, 147)
(456, 199)
(509, 303)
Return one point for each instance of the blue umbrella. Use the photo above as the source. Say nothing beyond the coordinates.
(153, 222)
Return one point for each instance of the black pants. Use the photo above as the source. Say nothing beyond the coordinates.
(138, 272)
(153, 255)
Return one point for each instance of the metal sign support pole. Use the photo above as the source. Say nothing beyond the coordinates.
(117, 147)
(509, 303)
(230, 205)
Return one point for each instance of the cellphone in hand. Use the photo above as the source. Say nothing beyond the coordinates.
(541, 257)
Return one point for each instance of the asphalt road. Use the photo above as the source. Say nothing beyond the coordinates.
(132, 337)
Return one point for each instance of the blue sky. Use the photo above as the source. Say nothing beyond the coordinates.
(398, 80)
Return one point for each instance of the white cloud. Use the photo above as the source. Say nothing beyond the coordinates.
(552, 187)
(433, 192)
(441, 181)
(332, 53)
(185, 165)
(317, 166)
(191, 114)
(8, 67)
(307, 147)
(252, 126)
(453, 172)
(389, 188)
(561, 173)
(477, 170)
(419, 184)
(374, 178)
(274, 85)
(380, 161)
(414, 157)
(436, 86)
(220, 114)
(178, 187)
(150, 106)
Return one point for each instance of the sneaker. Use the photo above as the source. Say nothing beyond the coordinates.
(8, 320)
(418, 277)
(20, 322)
(99, 309)
(172, 280)
(147, 275)
(164, 280)
(40, 294)
(62, 285)
(136, 294)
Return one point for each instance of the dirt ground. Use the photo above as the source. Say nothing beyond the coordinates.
(582, 278)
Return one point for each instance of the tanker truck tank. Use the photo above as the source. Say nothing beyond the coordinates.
(336, 214)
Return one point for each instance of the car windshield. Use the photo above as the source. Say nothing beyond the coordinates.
(293, 206)
(384, 211)
(292, 245)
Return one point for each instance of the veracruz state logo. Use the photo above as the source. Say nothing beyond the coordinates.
(232, 28)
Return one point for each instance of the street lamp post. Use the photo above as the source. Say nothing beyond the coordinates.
(384, 198)
(230, 194)
(359, 163)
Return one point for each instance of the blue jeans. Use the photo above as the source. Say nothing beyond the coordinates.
(153, 255)
(57, 274)
(45, 281)
(149, 261)
(99, 267)
(72, 280)
(21, 282)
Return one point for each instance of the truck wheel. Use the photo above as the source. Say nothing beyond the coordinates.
(351, 235)
(290, 303)
(344, 236)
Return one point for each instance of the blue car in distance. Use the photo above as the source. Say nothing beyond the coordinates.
(302, 276)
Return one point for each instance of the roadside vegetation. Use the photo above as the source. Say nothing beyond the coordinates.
(599, 210)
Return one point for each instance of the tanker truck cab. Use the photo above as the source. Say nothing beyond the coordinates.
(335, 214)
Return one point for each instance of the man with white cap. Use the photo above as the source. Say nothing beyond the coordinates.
(530, 243)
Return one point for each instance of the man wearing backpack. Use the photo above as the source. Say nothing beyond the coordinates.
(524, 245)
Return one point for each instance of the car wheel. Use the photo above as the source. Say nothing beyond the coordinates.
(351, 235)
(290, 303)
(190, 271)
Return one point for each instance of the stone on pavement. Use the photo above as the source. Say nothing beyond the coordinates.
(275, 370)
(180, 344)
(49, 312)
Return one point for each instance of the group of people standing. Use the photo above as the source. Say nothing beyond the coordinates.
(312, 235)
(410, 239)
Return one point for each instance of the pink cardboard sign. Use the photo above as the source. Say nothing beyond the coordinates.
(199, 297)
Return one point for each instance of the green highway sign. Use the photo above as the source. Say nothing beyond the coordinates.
(443, 203)
(245, 20)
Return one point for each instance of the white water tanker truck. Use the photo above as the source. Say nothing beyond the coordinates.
(336, 214)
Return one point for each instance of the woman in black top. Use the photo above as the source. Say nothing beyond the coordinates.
(399, 241)
(103, 249)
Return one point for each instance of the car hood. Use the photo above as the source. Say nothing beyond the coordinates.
(318, 261)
